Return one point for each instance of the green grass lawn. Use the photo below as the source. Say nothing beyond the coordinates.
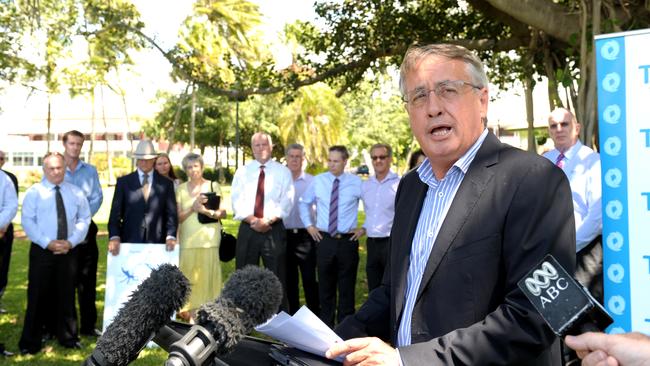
(15, 301)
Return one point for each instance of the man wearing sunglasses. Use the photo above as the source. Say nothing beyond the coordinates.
(582, 166)
(378, 195)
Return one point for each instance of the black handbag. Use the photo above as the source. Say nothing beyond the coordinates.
(212, 204)
(227, 246)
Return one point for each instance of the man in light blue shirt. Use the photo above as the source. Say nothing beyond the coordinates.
(336, 195)
(379, 205)
(84, 176)
(8, 208)
(55, 217)
(301, 248)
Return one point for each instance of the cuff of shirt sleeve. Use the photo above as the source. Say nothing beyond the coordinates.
(399, 358)
(170, 237)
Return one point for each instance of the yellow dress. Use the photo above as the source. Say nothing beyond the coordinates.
(199, 250)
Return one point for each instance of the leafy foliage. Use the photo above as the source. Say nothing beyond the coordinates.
(314, 119)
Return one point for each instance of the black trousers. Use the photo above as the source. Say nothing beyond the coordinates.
(589, 267)
(87, 255)
(270, 246)
(6, 242)
(376, 261)
(337, 260)
(301, 256)
(50, 298)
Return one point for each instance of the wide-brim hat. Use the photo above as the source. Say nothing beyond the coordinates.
(145, 150)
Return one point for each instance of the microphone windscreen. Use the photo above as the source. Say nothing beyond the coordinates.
(250, 297)
(150, 306)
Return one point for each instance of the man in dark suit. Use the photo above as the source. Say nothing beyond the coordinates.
(144, 205)
(470, 222)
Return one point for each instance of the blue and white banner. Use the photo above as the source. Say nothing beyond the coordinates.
(125, 271)
(623, 77)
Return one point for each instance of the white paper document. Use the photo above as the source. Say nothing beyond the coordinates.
(304, 331)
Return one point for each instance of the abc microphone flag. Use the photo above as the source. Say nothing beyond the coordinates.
(566, 306)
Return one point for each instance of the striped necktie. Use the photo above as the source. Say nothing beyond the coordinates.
(560, 161)
(334, 208)
(258, 209)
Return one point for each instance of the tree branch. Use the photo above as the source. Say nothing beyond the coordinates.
(554, 19)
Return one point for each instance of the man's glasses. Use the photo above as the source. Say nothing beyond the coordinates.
(446, 90)
(379, 157)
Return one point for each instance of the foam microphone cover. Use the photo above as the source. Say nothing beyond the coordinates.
(150, 306)
(250, 297)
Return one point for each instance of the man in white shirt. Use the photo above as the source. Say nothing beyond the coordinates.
(378, 194)
(55, 217)
(262, 196)
(582, 166)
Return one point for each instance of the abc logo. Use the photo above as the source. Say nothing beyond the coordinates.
(546, 283)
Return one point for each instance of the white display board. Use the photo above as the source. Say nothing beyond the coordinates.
(623, 78)
(125, 271)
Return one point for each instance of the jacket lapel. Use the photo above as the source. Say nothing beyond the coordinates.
(471, 188)
(412, 216)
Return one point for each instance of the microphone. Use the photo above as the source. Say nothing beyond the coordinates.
(566, 305)
(250, 297)
(150, 306)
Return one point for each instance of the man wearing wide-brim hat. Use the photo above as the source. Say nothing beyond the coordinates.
(144, 205)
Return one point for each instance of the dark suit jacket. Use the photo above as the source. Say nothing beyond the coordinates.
(137, 221)
(511, 209)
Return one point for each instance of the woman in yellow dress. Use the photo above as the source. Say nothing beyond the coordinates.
(199, 243)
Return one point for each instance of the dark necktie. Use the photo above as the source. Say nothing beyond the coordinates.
(560, 161)
(259, 196)
(334, 208)
(145, 186)
(61, 220)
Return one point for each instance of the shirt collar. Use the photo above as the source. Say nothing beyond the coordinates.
(391, 175)
(141, 174)
(80, 165)
(425, 172)
(332, 176)
(573, 150)
(49, 185)
(301, 176)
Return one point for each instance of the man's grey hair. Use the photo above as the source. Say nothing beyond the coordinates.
(190, 159)
(268, 137)
(417, 53)
(295, 147)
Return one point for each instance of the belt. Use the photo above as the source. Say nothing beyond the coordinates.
(337, 235)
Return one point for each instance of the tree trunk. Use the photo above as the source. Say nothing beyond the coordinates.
(109, 159)
(49, 121)
(177, 118)
(530, 117)
(193, 119)
(91, 148)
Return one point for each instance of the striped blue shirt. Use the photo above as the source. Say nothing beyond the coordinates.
(434, 210)
(320, 191)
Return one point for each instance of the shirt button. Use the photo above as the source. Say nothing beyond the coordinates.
(430, 234)
(440, 194)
